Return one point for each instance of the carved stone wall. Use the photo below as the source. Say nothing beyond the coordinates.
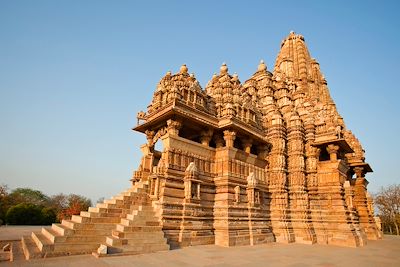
(267, 160)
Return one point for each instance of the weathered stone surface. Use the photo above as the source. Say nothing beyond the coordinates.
(102, 250)
(242, 164)
(273, 158)
(6, 247)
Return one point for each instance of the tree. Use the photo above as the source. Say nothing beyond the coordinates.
(49, 215)
(76, 204)
(29, 206)
(388, 203)
(4, 205)
(28, 195)
(24, 214)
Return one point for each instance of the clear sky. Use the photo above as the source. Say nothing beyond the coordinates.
(73, 75)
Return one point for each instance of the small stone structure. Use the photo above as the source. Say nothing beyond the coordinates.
(266, 160)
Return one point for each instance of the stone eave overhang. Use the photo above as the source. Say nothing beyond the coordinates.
(179, 110)
(366, 167)
(183, 111)
(155, 118)
(342, 143)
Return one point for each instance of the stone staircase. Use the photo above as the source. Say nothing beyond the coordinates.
(126, 218)
(139, 232)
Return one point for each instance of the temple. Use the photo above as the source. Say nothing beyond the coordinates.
(267, 160)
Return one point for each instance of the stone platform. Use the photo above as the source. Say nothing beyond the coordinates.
(385, 252)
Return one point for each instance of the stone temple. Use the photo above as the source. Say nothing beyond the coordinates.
(267, 160)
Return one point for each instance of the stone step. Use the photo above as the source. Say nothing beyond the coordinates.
(16, 252)
(145, 241)
(51, 234)
(105, 210)
(114, 206)
(136, 221)
(115, 242)
(142, 228)
(54, 237)
(105, 206)
(114, 201)
(94, 232)
(138, 249)
(124, 197)
(133, 235)
(90, 214)
(137, 241)
(29, 247)
(88, 226)
(42, 242)
(73, 248)
(137, 214)
(152, 221)
(62, 229)
(80, 219)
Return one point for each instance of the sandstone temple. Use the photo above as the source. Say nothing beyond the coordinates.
(242, 163)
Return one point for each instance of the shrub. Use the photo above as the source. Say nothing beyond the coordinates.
(49, 216)
(24, 214)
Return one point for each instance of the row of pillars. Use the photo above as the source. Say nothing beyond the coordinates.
(229, 137)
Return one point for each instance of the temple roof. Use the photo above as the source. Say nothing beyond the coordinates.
(295, 93)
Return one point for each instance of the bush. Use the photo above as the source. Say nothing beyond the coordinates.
(24, 214)
(49, 216)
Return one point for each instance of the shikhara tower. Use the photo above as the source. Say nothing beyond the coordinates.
(266, 160)
(244, 163)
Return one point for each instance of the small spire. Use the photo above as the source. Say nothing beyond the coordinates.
(261, 66)
(183, 69)
(192, 75)
(235, 77)
(169, 73)
(224, 68)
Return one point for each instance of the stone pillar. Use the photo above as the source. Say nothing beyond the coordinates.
(298, 196)
(150, 136)
(367, 221)
(349, 194)
(277, 180)
(333, 151)
(205, 137)
(173, 127)
(312, 155)
(336, 224)
(229, 137)
(219, 141)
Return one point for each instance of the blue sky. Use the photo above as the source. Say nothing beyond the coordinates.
(73, 75)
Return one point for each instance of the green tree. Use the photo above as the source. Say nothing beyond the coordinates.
(49, 215)
(4, 205)
(28, 195)
(24, 214)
